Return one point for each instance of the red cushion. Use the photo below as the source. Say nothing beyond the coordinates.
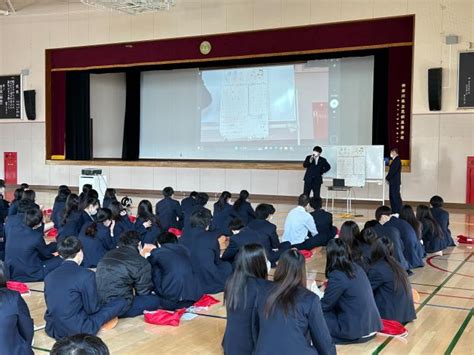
(132, 219)
(206, 301)
(163, 317)
(177, 232)
(52, 233)
(392, 327)
(18, 286)
(306, 253)
(465, 239)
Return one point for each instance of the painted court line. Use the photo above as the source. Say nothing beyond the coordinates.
(41, 349)
(449, 296)
(458, 334)
(450, 287)
(430, 263)
(422, 305)
(448, 307)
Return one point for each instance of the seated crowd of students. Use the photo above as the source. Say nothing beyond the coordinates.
(142, 265)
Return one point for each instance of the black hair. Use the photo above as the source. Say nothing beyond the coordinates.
(91, 201)
(80, 344)
(3, 274)
(264, 210)
(371, 223)
(168, 191)
(407, 214)
(72, 205)
(28, 195)
(2, 183)
(202, 198)
(382, 211)
(115, 208)
(437, 201)
(338, 258)
(236, 224)
(382, 249)
(86, 188)
(110, 194)
(25, 205)
(129, 238)
(63, 193)
(222, 201)
(33, 217)
(201, 218)
(394, 149)
(243, 196)
(368, 235)
(316, 203)
(69, 247)
(318, 149)
(290, 275)
(166, 238)
(24, 186)
(250, 262)
(349, 233)
(423, 214)
(145, 209)
(18, 194)
(193, 194)
(103, 214)
(303, 200)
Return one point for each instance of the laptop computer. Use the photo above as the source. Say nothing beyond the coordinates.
(338, 183)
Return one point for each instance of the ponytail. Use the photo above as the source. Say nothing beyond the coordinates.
(243, 196)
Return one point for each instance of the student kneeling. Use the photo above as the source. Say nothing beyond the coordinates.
(176, 282)
(124, 273)
(71, 296)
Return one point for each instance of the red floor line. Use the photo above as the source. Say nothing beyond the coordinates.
(429, 262)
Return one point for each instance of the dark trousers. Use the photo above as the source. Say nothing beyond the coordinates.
(274, 255)
(174, 305)
(314, 185)
(311, 243)
(142, 303)
(395, 198)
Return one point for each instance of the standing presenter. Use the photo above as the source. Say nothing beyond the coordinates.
(315, 166)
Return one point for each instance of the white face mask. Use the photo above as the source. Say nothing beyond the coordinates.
(316, 154)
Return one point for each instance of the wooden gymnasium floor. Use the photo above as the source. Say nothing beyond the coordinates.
(445, 284)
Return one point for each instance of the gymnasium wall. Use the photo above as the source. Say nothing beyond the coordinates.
(440, 141)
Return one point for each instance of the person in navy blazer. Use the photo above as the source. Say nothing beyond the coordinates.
(71, 218)
(316, 166)
(348, 303)
(16, 325)
(121, 221)
(394, 179)
(146, 224)
(242, 288)
(432, 234)
(289, 318)
(174, 277)
(204, 247)
(240, 237)
(71, 296)
(243, 209)
(382, 216)
(201, 201)
(4, 204)
(188, 203)
(413, 249)
(97, 238)
(28, 257)
(109, 196)
(392, 290)
(442, 217)
(223, 214)
(59, 205)
(89, 212)
(270, 241)
(169, 211)
(17, 194)
(2, 242)
(323, 221)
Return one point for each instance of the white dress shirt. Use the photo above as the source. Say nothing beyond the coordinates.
(297, 225)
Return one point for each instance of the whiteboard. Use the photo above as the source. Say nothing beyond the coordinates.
(374, 161)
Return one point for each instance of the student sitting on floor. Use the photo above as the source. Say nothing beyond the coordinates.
(4, 204)
(188, 203)
(412, 248)
(392, 290)
(97, 238)
(109, 196)
(243, 209)
(348, 303)
(240, 236)
(169, 211)
(80, 344)
(175, 280)
(89, 211)
(59, 205)
(200, 205)
(120, 219)
(323, 222)
(16, 325)
(18, 219)
(442, 217)
(204, 246)
(408, 215)
(366, 238)
(124, 273)
(26, 253)
(432, 234)
(71, 218)
(147, 224)
(72, 302)
(17, 194)
(223, 213)
(83, 195)
(246, 282)
(298, 225)
(262, 225)
(289, 316)
(350, 234)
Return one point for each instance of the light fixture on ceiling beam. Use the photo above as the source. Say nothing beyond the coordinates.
(132, 7)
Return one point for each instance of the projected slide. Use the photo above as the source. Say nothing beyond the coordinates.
(271, 112)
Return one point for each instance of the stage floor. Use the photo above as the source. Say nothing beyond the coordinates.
(445, 285)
